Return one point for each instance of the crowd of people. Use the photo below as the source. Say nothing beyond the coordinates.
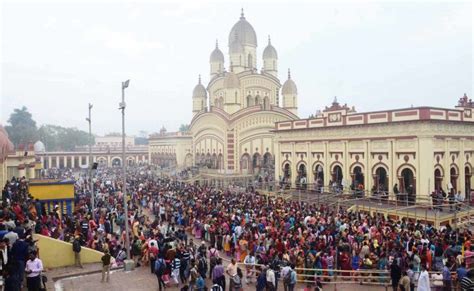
(183, 231)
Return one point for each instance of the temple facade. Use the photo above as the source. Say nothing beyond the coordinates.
(418, 150)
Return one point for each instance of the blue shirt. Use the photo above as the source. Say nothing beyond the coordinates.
(461, 272)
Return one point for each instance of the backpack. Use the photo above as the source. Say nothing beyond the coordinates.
(76, 246)
(287, 279)
(160, 267)
(237, 282)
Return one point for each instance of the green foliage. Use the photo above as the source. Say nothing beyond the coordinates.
(58, 138)
(184, 127)
(22, 128)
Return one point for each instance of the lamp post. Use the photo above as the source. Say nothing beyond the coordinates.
(124, 169)
(90, 159)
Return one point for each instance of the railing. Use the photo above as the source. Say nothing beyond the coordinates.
(373, 277)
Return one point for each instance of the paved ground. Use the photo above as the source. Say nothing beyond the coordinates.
(142, 280)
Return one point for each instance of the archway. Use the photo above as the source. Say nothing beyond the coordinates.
(357, 177)
(438, 180)
(301, 180)
(337, 175)
(249, 101)
(468, 175)
(268, 165)
(381, 179)
(407, 184)
(319, 178)
(102, 162)
(256, 163)
(286, 179)
(453, 179)
(208, 161)
(116, 162)
(245, 164)
(214, 161)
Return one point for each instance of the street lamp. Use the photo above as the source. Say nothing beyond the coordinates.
(124, 169)
(90, 160)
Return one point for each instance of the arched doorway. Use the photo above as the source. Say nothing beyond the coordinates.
(256, 163)
(268, 165)
(337, 175)
(357, 178)
(286, 179)
(214, 161)
(245, 164)
(438, 180)
(319, 178)
(468, 175)
(407, 184)
(301, 180)
(453, 179)
(116, 162)
(381, 179)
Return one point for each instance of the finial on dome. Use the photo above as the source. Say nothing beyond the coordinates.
(199, 80)
(289, 74)
(335, 100)
(269, 40)
(217, 43)
(242, 13)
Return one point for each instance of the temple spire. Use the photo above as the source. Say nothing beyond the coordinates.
(199, 80)
(269, 40)
(242, 13)
(289, 74)
(217, 43)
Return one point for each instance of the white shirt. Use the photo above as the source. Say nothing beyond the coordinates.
(424, 281)
(36, 266)
(271, 276)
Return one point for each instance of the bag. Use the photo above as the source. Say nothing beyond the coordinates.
(287, 279)
(160, 267)
(216, 287)
(76, 246)
(237, 282)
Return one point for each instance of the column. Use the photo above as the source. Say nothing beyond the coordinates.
(42, 160)
(462, 169)
(65, 161)
(345, 158)
(108, 161)
(392, 172)
(72, 162)
(446, 166)
(424, 170)
(327, 169)
(309, 168)
(31, 171)
(294, 169)
(368, 176)
(50, 165)
(277, 156)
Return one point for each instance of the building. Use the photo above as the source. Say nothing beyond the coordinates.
(233, 115)
(420, 149)
(114, 141)
(6, 146)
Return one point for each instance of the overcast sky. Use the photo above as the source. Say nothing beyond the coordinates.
(58, 56)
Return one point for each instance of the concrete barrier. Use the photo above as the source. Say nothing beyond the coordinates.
(56, 253)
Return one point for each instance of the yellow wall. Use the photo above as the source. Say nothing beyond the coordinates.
(56, 253)
(52, 192)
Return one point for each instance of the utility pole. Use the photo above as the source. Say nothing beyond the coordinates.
(124, 170)
(90, 159)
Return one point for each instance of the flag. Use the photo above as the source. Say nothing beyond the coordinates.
(125, 84)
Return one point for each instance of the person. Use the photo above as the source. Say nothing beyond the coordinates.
(237, 281)
(461, 271)
(447, 279)
(200, 283)
(289, 280)
(153, 254)
(218, 276)
(249, 266)
(33, 269)
(411, 275)
(76, 248)
(231, 270)
(424, 280)
(285, 274)
(466, 283)
(193, 276)
(106, 258)
(395, 274)
(404, 282)
(262, 280)
(270, 275)
(160, 267)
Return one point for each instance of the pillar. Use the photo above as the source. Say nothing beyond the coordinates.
(424, 167)
(50, 159)
(368, 176)
(31, 171)
(327, 169)
(446, 166)
(462, 169)
(72, 162)
(392, 171)
(65, 161)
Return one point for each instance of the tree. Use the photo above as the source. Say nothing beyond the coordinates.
(58, 138)
(184, 128)
(22, 128)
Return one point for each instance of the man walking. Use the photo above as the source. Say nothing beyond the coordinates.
(160, 267)
(76, 248)
(105, 266)
(34, 267)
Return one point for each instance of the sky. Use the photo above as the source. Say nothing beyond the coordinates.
(58, 56)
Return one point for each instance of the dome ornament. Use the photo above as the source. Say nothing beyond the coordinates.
(242, 13)
(289, 74)
(199, 79)
(269, 40)
(217, 44)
